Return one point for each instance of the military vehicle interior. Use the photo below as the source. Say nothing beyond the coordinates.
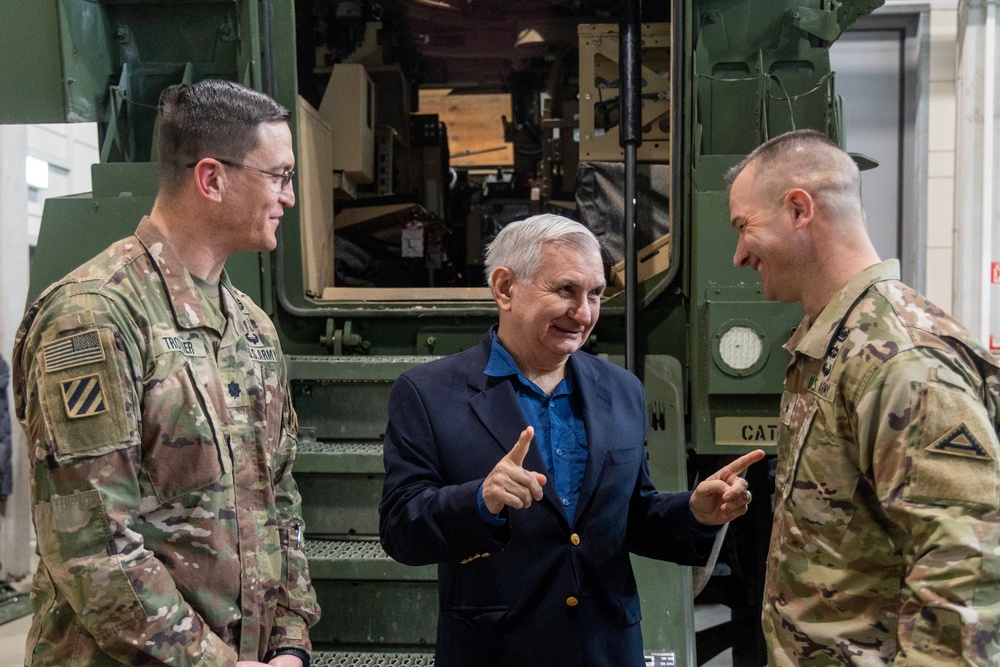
(471, 115)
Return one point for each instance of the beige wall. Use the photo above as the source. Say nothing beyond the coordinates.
(941, 153)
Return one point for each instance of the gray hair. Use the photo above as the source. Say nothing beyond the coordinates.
(518, 246)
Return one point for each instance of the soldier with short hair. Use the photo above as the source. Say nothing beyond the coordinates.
(160, 428)
(885, 547)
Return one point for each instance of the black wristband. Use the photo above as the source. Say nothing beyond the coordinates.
(299, 653)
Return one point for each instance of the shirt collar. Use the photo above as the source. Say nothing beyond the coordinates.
(186, 299)
(502, 364)
(814, 339)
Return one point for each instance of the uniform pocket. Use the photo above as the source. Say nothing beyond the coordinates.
(800, 428)
(823, 479)
(954, 450)
(180, 437)
(297, 588)
(73, 538)
(86, 395)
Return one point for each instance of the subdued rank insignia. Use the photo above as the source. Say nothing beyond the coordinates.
(83, 348)
(83, 396)
(234, 389)
(258, 352)
(960, 442)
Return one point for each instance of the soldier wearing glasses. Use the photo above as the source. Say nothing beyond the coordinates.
(160, 428)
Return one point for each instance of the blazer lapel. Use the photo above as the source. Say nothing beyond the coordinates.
(597, 418)
(495, 404)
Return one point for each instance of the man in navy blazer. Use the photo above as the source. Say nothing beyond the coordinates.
(518, 466)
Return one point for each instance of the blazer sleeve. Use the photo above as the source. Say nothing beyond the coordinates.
(423, 518)
(660, 524)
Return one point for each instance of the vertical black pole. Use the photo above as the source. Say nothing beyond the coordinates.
(267, 37)
(630, 137)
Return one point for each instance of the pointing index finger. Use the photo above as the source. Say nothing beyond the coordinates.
(737, 467)
(520, 448)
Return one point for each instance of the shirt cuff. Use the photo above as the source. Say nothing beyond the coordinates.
(491, 519)
(697, 529)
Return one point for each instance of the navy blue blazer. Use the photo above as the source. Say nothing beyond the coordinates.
(537, 591)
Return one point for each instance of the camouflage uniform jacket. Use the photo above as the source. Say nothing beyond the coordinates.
(886, 540)
(161, 438)
(6, 467)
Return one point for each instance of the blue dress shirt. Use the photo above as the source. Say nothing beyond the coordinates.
(560, 434)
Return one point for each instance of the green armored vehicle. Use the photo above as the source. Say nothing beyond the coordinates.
(421, 128)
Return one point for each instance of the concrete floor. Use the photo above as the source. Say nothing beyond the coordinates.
(707, 616)
(12, 636)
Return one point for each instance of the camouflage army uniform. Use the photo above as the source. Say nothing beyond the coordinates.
(886, 541)
(161, 437)
(6, 467)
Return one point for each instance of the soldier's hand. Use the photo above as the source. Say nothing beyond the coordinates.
(283, 660)
(509, 484)
(724, 496)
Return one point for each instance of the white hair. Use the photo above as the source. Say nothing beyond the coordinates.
(518, 246)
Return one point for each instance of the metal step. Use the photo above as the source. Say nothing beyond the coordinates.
(360, 560)
(14, 603)
(341, 486)
(358, 457)
(342, 398)
(363, 659)
(368, 598)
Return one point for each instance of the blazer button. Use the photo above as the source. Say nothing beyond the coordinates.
(574, 539)
(572, 601)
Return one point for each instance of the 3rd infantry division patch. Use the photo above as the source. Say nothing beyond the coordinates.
(83, 397)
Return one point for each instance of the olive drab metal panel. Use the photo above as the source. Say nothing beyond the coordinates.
(32, 91)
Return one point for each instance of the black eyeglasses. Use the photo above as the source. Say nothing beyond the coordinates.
(285, 176)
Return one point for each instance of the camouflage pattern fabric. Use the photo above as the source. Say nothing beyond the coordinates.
(161, 438)
(6, 465)
(886, 540)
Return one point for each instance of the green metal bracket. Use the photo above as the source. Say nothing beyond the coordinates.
(820, 23)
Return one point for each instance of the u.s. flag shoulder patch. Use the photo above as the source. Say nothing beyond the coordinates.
(83, 396)
(83, 348)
